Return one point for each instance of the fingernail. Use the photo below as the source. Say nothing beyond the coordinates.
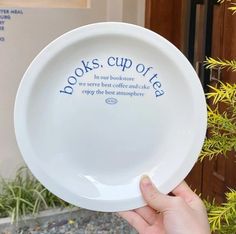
(145, 181)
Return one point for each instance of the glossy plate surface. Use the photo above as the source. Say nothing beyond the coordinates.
(104, 104)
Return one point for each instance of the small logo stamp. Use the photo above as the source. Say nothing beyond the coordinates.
(111, 101)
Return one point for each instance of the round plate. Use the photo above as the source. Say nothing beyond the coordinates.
(104, 104)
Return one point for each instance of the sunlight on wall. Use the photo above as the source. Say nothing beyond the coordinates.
(46, 3)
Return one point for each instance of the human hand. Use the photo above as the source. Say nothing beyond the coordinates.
(183, 213)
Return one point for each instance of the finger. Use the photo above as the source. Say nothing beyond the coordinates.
(152, 196)
(184, 191)
(148, 214)
(135, 220)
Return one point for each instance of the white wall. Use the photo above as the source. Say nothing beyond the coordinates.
(25, 35)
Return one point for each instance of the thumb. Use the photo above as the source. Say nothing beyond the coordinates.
(152, 196)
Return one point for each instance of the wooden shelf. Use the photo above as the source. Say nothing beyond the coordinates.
(45, 3)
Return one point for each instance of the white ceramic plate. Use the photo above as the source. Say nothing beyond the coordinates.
(104, 104)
